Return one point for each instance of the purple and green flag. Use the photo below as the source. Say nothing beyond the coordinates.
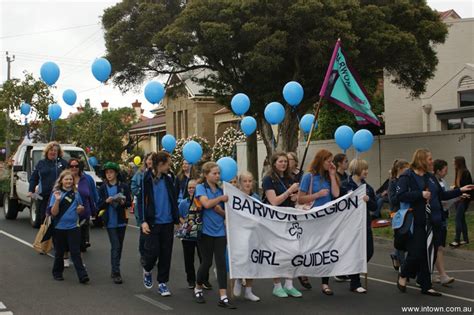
(342, 87)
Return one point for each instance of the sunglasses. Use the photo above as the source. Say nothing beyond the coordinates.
(73, 166)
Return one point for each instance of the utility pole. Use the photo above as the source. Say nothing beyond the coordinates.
(7, 133)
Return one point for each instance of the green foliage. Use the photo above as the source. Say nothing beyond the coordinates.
(177, 156)
(255, 47)
(226, 145)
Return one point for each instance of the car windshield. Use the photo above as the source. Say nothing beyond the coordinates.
(67, 155)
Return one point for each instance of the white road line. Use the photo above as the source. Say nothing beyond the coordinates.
(459, 280)
(2, 306)
(13, 237)
(133, 226)
(471, 270)
(418, 289)
(6, 313)
(153, 302)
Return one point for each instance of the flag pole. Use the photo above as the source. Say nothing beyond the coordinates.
(316, 114)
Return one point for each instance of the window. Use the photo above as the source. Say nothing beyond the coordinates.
(466, 98)
(454, 123)
(468, 122)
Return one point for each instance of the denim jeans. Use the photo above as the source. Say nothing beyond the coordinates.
(68, 240)
(116, 236)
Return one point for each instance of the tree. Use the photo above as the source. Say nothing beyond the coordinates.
(255, 47)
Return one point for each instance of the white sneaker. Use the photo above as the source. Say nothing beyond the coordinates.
(435, 279)
(445, 280)
(237, 287)
(250, 296)
(67, 263)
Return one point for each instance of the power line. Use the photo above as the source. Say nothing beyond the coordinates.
(82, 42)
(49, 31)
(52, 57)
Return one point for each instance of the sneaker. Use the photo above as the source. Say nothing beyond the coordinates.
(199, 297)
(163, 289)
(67, 263)
(191, 284)
(280, 292)
(237, 287)
(84, 280)
(117, 278)
(342, 278)
(463, 243)
(251, 297)
(225, 303)
(436, 279)
(59, 278)
(445, 280)
(293, 292)
(147, 279)
(206, 285)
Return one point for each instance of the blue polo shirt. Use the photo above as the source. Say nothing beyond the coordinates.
(318, 184)
(112, 221)
(212, 222)
(184, 208)
(161, 202)
(70, 218)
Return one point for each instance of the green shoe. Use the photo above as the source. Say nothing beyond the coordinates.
(280, 293)
(293, 292)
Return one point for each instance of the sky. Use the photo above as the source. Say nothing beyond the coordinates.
(70, 34)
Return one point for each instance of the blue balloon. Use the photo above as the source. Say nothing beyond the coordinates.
(101, 69)
(343, 136)
(154, 92)
(54, 112)
(363, 140)
(93, 161)
(248, 125)
(69, 97)
(25, 108)
(274, 113)
(49, 72)
(228, 168)
(293, 93)
(240, 104)
(306, 122)
(192, 152)
(168, 142)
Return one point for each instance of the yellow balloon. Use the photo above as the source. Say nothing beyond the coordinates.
(137, 160)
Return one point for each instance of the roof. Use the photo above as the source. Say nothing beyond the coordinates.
(148, 126)
(450, 13)
(223, 110)
(190, 79)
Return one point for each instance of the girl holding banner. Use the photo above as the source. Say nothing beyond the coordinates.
(280, 190)
(320, 186)
(213, 240)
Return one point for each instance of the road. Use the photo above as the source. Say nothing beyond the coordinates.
(27, 286)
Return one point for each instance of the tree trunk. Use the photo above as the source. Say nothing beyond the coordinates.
(252, 156)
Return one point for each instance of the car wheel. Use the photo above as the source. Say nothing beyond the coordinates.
(10, 207)
(35, 217)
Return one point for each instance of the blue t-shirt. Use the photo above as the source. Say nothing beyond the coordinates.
(184, 207)
(318, 184)
(162, 202)
(212, 222)
(112, 221)
(70, 218)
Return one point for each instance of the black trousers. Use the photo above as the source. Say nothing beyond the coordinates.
(189, 249)
(64, 240)
(212, 246)
(355, 279)
(43, 205)
(159, 247)
(85, 228)
(416, 263)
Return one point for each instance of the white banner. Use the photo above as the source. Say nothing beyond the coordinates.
(268, 242)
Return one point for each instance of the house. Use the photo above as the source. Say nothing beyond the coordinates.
(148, 131)
(448, 102)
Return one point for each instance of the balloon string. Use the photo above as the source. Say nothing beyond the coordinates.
(52, 132)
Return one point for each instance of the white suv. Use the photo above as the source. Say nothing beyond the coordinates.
(24, 162)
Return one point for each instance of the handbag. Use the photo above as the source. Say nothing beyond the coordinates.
(191, 229)
(42, 245)
(308, 205)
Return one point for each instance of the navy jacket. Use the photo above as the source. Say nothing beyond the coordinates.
(45, 174)
(350, 185)
(121, 209)
(409, 191)
(392, 195)
(147, 200)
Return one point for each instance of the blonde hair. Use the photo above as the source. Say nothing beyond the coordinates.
(59, 182)
(357, 166)
(242, 176)
(50, 146)
(206, 169)
(418, 161)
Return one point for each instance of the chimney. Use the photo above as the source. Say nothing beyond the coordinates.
(105, 105)
(137, 106)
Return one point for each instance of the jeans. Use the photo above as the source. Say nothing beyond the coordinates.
(159, 246)
(461, 226)
(116, 236)
(212, 246)
(63, 240)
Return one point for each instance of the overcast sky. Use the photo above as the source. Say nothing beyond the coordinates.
(70, 34)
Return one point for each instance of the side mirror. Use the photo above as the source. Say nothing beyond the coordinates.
(18, 168)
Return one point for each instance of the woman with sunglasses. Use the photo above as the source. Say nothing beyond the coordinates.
(86, 187)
